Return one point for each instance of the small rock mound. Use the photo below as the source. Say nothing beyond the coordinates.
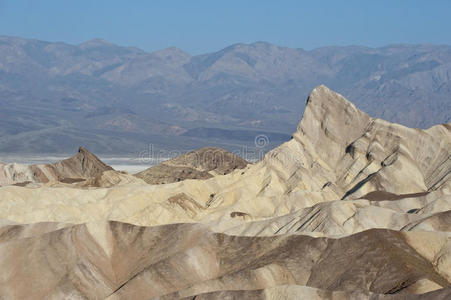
(203, 163)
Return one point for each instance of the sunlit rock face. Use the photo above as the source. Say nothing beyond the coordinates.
(352, 207)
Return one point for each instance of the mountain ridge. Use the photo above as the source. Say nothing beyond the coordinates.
(242, 87)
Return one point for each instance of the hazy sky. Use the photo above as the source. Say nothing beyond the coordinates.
(205, 26)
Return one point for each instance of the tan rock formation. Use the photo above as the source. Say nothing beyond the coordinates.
(351, 208)
(81, 166)
(111, 178)
(203, 163)
(121, 261)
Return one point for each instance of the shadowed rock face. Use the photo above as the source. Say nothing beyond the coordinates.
(302, 292)
(352, 207)
(199, 164)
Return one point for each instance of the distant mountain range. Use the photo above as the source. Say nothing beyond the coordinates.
(112, 99)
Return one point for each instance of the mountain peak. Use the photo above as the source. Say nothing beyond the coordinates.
(263, 44)
(84, 164)
(82, 149)
(259, 45)
(323, 96)
(329, 113)
(81, 166)
(94, 43)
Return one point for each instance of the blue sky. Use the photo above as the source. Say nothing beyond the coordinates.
(205, 26)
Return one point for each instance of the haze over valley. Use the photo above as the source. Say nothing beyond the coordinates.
(119, 100)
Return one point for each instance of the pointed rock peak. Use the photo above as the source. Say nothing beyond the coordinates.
(82, 165)
(326, 102)
(322, 94)
(83, 152)
(82, 149)
(329, 114)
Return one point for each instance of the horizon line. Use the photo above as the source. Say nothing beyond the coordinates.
(229, 46)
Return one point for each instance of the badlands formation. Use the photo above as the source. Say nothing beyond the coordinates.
(351, 207)
(81, 166)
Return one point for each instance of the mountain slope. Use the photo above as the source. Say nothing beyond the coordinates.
(119, 99)
(118, 260)
(337, 153)
(351, 207)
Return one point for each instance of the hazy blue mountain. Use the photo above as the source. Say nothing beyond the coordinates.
(112, 99)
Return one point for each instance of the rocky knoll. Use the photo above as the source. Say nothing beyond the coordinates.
(352, 207)
(203, 163)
